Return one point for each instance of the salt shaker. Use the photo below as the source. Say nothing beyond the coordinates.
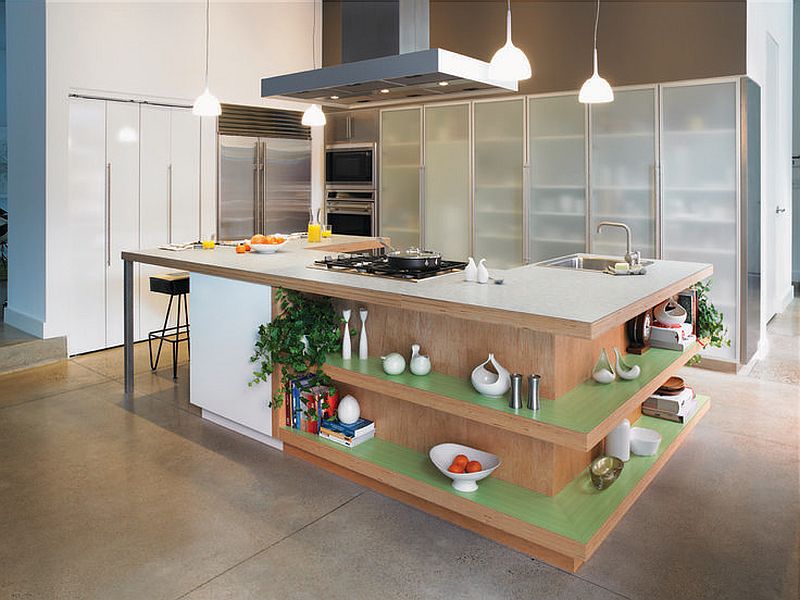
(515, 401)
(533, 392)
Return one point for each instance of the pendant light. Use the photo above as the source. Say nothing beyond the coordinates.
(596, 90)
(509, 63)
(207, 104)
(313, 116)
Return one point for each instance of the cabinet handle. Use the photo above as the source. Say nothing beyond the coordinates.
(169, 201)
(108, 214)
(780, 210)
(422, 240)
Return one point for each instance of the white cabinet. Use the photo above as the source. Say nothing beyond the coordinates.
(133, 182)
(699, 202)
(169, 180)
(401, 176)
(499, 140)
(446, 221)
(557, 196)
(622, 171)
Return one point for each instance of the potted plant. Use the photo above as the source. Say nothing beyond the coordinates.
(710, 328)
(298, 341)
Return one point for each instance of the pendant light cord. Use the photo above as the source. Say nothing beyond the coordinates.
(208, 27)
(596, 19)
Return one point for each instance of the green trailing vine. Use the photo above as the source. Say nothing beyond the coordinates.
(710, 326)
(297, 340)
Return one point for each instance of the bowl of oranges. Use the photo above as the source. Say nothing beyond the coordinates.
(464, 465)
(267, 244)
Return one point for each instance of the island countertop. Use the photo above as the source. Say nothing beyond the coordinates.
(582, 304)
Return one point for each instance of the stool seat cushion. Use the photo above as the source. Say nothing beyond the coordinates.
(170, 283)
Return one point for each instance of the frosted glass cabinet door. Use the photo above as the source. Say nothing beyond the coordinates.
(499, 154)
(622, 171)
(557, 211)
(698, 174)
(447, 182)
(400, 176)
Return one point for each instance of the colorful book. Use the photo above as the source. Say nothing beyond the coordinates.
(356, 429)
(351, 443)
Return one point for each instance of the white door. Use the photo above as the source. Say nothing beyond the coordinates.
(86, 197)
(154, 207)
(122, 206)
(185, 221)
(770, 178)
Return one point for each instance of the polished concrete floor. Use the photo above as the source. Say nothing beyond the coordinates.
(103, 497)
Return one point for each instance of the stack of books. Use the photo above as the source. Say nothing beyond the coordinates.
(672, 405)
(306, 405)
(347, 435)
(672, 337)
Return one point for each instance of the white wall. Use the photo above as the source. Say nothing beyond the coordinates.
(796, 143)
(154, 50)
(773, 18)
(26, 156)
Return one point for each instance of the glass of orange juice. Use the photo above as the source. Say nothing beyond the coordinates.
(327, 231)
(314, 232)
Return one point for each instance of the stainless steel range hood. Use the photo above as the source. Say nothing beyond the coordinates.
(417, 72)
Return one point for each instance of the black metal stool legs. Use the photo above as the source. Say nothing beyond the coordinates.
(171, 335)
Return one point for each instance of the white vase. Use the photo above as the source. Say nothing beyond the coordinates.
(603, 372)
(419, 364)
(491, 383)
(483, 272)
(618, 442)
(348, 411)
(363, 348)
(471, 270)
(624, 370)
(347, 349)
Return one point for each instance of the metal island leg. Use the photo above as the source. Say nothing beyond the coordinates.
(128, 316)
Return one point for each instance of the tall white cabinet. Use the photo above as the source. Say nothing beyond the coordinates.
(134, 178)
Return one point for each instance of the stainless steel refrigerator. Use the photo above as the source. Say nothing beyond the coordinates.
(264, 186)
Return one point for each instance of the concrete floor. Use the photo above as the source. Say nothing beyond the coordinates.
(108, 498)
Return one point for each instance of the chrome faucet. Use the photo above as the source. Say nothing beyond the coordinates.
(632, 257)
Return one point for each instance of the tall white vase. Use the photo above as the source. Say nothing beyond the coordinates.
(363, 349)
(346, 347)
(618, 442)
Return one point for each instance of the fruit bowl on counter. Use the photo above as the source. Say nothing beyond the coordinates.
(444, 457)
(267, 244)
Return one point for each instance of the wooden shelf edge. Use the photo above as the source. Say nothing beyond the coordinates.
(488, 416)
(644, 482)
(446, 501)
(560, 436)
(596, 435)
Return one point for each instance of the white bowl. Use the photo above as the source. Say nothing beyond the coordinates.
(267, 248)
(644, 442)
(442, 457)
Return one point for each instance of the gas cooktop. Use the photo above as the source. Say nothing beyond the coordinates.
(375, 263)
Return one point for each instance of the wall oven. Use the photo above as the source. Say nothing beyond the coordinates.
(350, 166)
(351, 212)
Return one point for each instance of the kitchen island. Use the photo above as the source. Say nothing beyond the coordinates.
(543, 320)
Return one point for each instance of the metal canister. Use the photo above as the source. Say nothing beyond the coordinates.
(533, 392)
(515, 401)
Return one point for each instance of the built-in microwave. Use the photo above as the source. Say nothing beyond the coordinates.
(350, 166)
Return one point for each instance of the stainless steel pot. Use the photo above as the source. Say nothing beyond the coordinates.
(414, 259)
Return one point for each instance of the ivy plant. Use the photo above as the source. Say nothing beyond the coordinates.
(710, 326)
(297, 341)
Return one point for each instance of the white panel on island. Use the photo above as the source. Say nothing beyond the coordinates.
(225, 318)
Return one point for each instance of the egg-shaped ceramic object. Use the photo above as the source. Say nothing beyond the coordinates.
(394, 363)
(348, 410)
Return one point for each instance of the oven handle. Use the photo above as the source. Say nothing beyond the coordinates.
(351, 208)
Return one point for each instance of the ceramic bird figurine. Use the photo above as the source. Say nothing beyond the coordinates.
(471, 270)
(483, 272)
(419, 364)
(603, 372)
(624, 370)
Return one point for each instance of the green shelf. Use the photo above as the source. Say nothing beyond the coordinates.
(581, 410)
(577, 512)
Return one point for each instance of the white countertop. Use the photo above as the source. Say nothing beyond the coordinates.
(562, 301)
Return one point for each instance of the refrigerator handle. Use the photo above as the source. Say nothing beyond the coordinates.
(256, 186)
(108, 214)
(169, 201)
(262, 187)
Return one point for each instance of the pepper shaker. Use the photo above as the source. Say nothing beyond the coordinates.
(533, 392)
(516, 391)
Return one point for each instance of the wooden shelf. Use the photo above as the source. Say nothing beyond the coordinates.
(578, 419)
(564, 529)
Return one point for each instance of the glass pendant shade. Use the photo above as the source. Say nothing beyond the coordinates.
(595, 90)
(314, 117)
(206, 105)
(509, 63)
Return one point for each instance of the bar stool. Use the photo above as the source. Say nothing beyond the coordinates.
(173, 284)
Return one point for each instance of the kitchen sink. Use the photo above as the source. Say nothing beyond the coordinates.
(586, 262)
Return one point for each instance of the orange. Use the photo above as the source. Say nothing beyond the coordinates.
(240, 249)
(461, 460)
(474, 466)
(259, 239)
(455, 468)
